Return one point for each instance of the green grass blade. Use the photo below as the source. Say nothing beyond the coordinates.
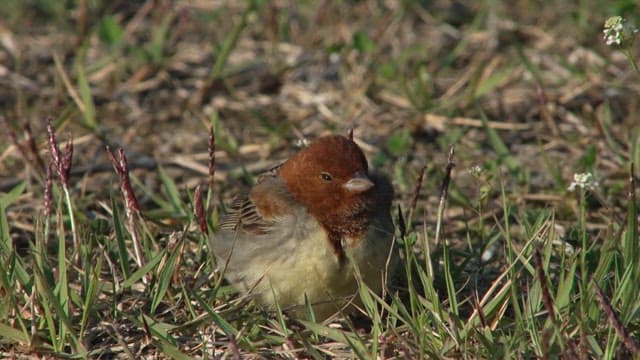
(93, 290)
(172, 191)
(7, 332)
(89, 110)
(165, 276)
(338, 335)
(5, 200)
(501, 149)
(140, 273)
(119, 229)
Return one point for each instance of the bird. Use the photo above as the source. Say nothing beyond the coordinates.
(309, 231)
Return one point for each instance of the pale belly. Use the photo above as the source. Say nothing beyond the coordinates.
(312, 269)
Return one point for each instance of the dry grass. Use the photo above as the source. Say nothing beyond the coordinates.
(528, 92)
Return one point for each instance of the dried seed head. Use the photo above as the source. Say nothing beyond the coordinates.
(33, 148)
(121, 167)
(68, 158)
(62, 162)
(199, 211)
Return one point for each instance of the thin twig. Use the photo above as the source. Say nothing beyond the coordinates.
(67, 83)
(212, 156)
(624, 335)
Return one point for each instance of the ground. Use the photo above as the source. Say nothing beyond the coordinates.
(528, 94)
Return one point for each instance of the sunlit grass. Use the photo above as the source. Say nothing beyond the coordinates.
(104, 253)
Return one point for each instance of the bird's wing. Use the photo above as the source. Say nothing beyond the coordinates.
(243, 217)
(255, 213)
(268, 211)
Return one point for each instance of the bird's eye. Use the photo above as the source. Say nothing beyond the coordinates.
(326, 176)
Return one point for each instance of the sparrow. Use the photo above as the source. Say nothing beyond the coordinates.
(310, 230)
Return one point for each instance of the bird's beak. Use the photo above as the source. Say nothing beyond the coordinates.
(358, 183)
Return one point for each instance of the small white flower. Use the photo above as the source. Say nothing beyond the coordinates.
(612, 31)
(475, 171)
(583, 181)
(617, 30)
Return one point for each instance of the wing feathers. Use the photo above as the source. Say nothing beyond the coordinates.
(254, 213)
